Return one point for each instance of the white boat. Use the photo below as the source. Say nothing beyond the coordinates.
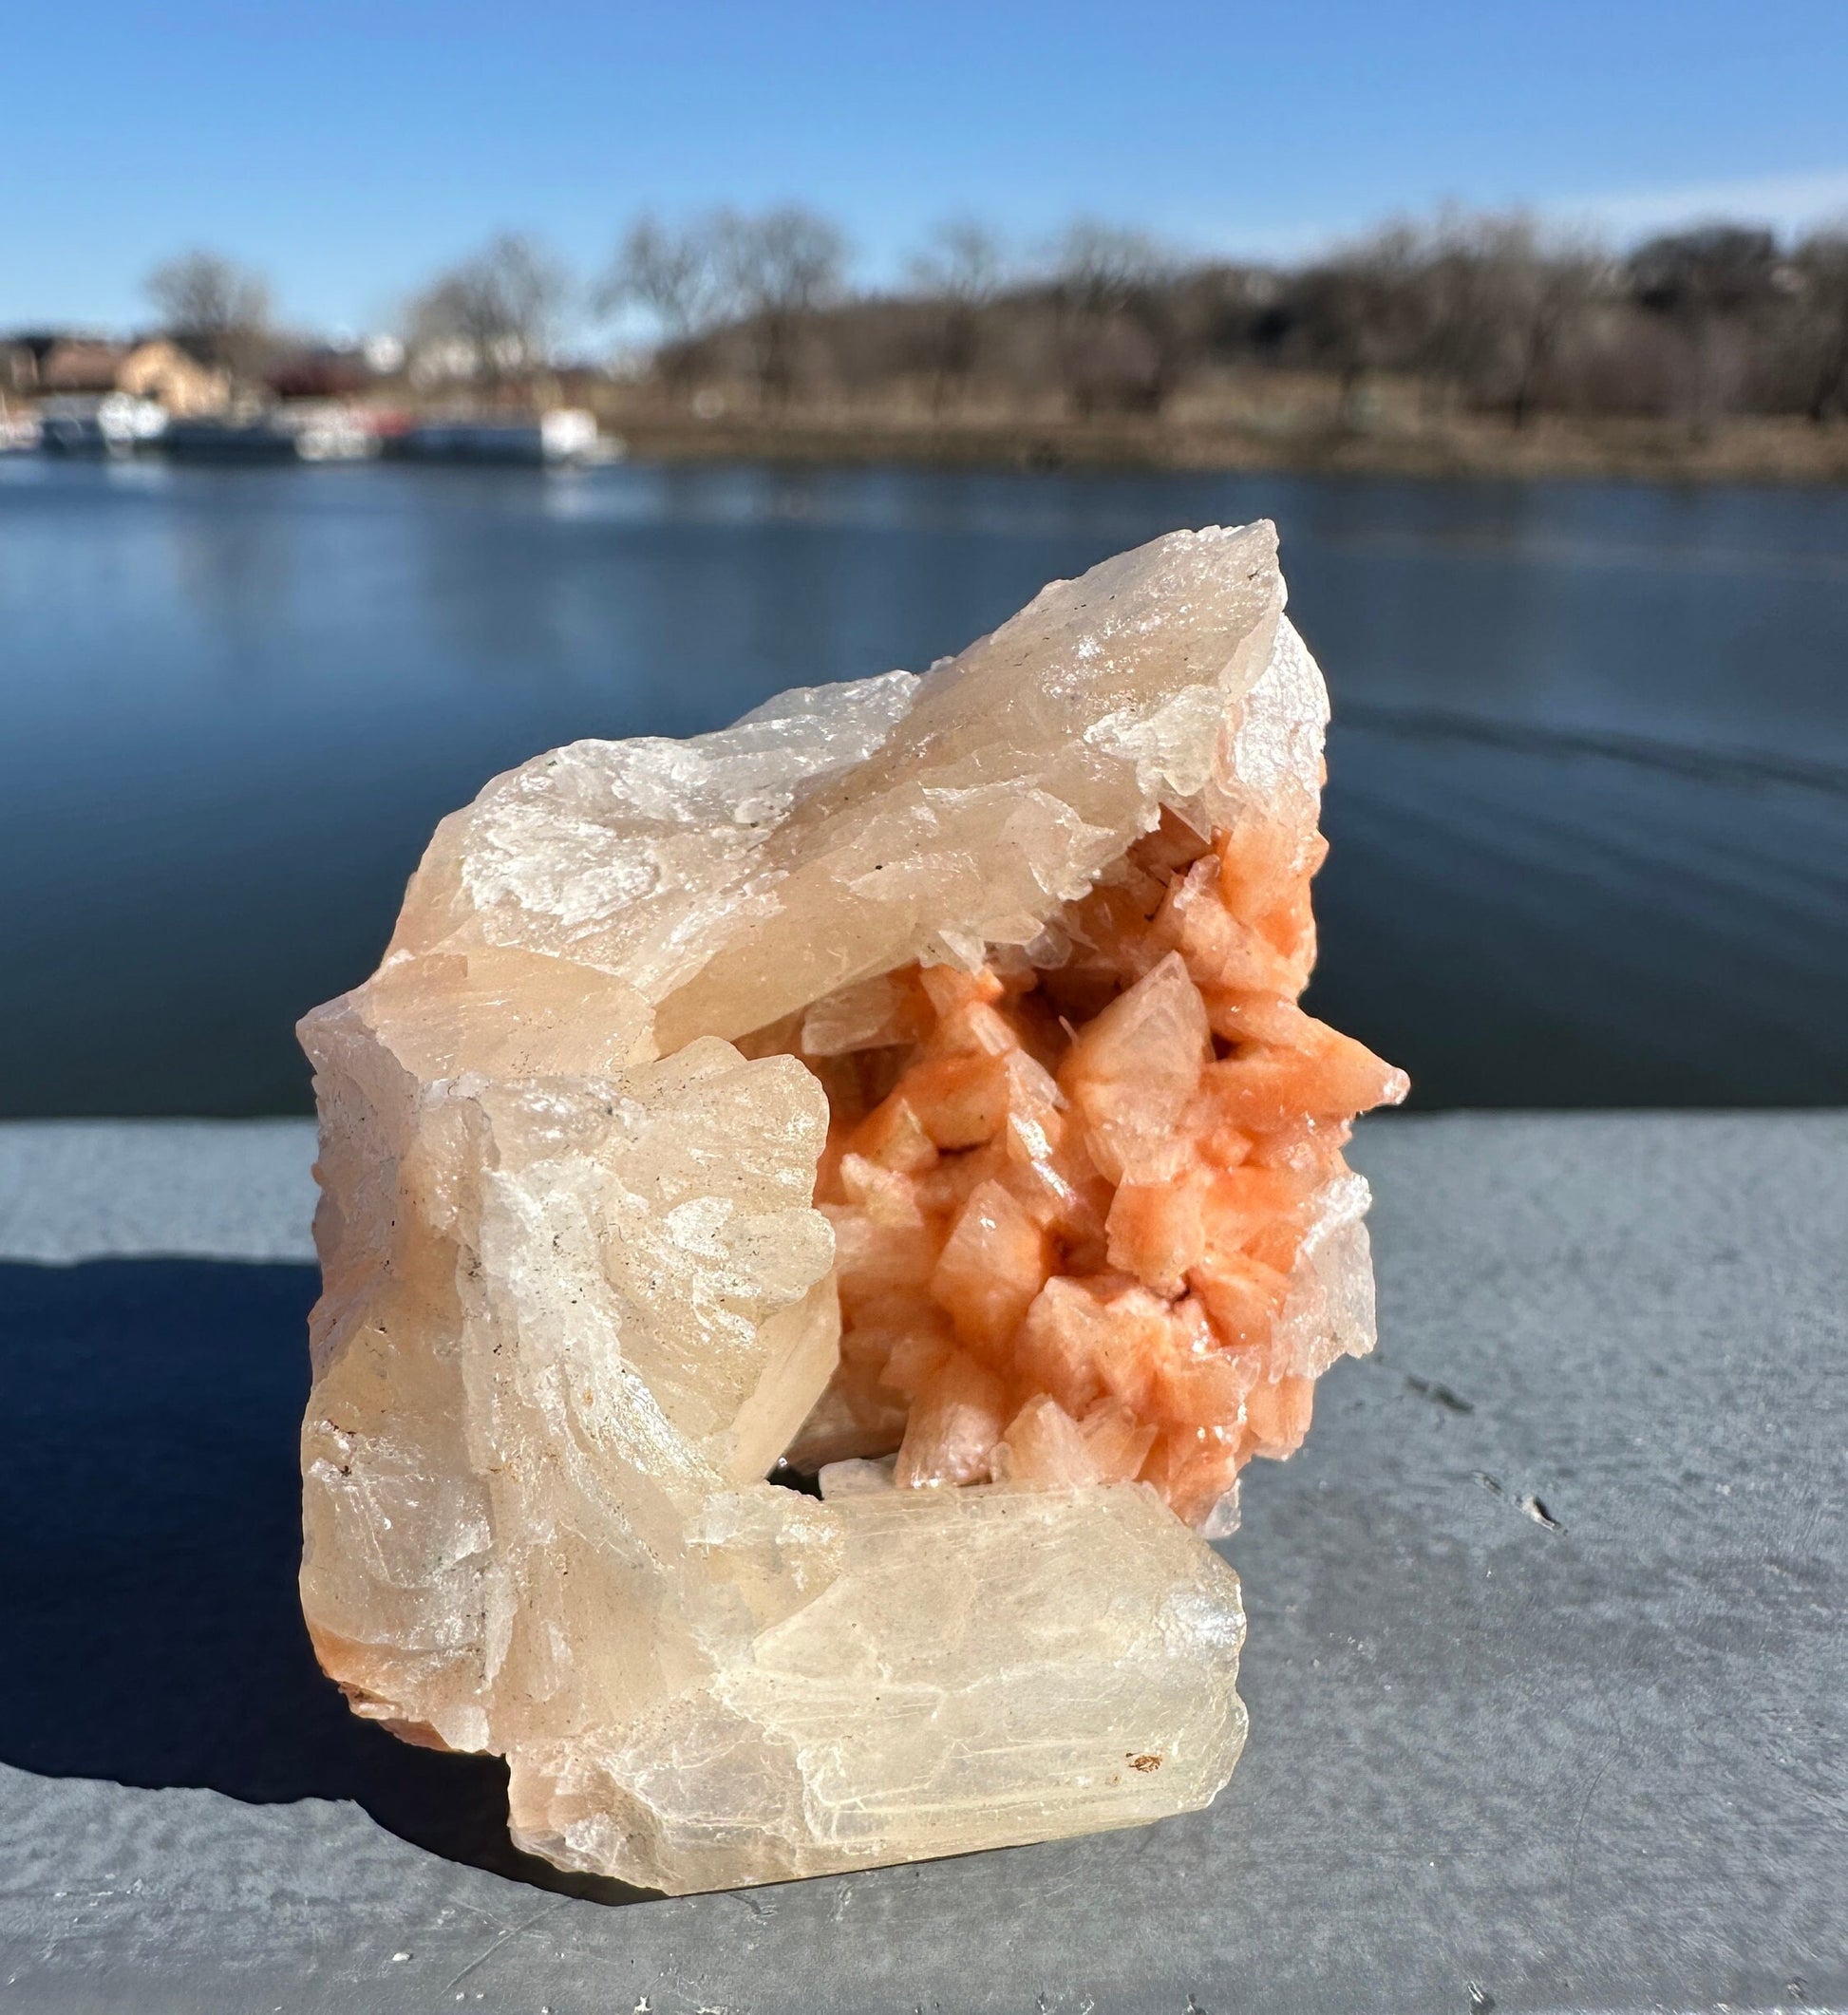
(310, 431)
(223, 439)
(105, 423)
(327, 431)
(566, 435)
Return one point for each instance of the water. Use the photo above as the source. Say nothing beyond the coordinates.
(1589, 777)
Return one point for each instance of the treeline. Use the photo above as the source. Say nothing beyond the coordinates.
(1477, 313)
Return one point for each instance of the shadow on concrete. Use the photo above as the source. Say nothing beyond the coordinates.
(151, 1508)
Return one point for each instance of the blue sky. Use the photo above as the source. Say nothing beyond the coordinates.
(350, 146)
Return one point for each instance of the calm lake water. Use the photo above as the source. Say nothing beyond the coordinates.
(1589, 797)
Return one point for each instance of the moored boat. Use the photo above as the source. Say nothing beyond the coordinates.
(565, 436)
(105, 423)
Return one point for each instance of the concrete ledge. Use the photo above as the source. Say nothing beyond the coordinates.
(213, 1188)
(1549, 1623)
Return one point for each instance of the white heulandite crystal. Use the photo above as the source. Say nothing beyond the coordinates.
(578, 1298)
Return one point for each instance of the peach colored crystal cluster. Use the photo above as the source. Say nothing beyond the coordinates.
(1065, 1236)
(911, 1069)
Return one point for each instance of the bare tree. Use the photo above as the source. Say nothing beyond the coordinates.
(1538, 294)
(1355, 312)
(1121, 338)
(672, 276)
(1488, 310)
(214, 305)
(1455, 277)
(499, 310)
(1101, 267)
(1706, 283)
(1821, 268)
(777, 269)
(958, 274)
(1491, 300)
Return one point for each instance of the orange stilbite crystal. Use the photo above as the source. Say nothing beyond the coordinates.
(1198, 1112)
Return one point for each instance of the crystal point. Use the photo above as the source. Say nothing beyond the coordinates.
(907, 1081)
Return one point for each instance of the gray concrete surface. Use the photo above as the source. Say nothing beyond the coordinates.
(1546, 1667)
(212, 1189)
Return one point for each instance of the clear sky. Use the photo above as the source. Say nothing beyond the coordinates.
(348, 147)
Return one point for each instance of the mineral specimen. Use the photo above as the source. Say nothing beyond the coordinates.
(908, 1079)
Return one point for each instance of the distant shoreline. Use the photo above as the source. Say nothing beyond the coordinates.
(1740, 450)
(1751, 449)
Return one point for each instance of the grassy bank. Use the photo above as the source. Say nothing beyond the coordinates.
(1739, 450)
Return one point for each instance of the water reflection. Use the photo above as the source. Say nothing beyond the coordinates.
(235, 574)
